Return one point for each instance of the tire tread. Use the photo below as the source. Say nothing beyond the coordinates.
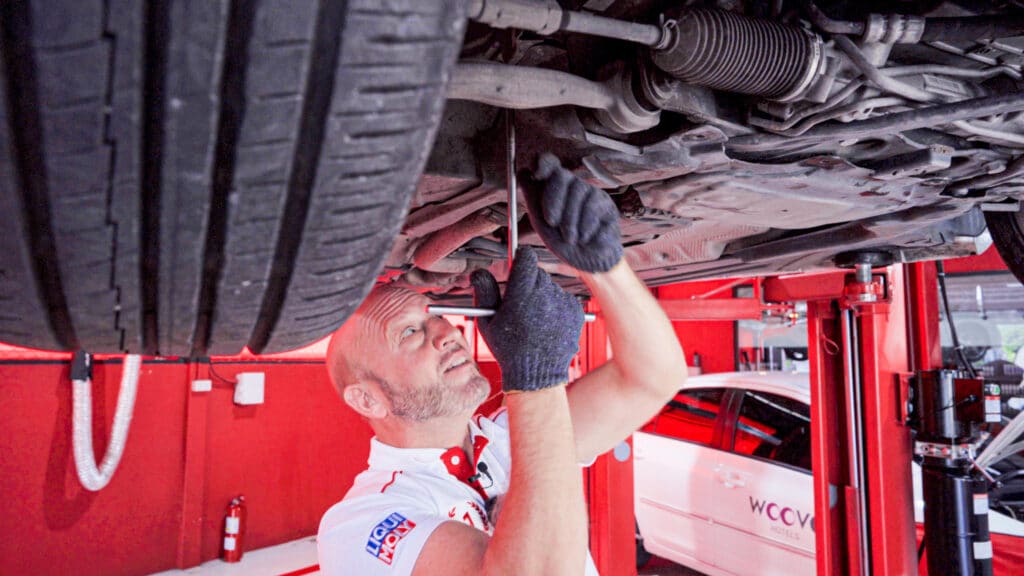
(200, 177)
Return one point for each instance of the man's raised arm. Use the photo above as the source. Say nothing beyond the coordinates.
(542, 527)
(580, 224)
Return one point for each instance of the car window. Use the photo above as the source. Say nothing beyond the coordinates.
(690, 416)
(774, 427)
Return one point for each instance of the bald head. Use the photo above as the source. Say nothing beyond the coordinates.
(353, 346)
(393, 361)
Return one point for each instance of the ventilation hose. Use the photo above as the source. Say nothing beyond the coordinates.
(1004, 444)
(93, 478)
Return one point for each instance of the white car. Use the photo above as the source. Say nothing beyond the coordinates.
(743, 505)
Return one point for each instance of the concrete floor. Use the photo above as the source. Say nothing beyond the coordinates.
(661, 567)
(294, 558)
(298, 557)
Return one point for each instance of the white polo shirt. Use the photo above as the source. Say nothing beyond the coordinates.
(381, 525)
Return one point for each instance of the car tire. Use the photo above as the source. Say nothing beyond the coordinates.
(1007, 230)
(193, 177)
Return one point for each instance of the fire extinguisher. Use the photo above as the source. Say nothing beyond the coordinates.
(234, 530)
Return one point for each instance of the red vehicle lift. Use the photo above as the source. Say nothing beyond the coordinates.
(868, 331)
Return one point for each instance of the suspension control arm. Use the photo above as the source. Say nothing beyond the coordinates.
(547, 17)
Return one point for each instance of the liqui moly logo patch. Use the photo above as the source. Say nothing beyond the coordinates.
(384, 537)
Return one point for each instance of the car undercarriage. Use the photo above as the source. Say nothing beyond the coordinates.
(191, 178)
(751, 139)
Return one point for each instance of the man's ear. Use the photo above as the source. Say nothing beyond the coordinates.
(364, 400)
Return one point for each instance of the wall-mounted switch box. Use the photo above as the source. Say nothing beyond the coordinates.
(249, 389)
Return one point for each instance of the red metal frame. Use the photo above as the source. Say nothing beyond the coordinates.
(896, 334)
(703, 307)
(923, 310)
(882, 355)
(720, 309)
(807, 287)
(829, 457)
(190, 537)
(608, 482)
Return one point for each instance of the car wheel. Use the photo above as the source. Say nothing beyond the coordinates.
(1007, 230)
(193, 177)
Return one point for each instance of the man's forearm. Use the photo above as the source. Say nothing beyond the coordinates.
(647, 352)
(542, 529)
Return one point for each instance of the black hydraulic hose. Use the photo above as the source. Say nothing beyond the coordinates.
(952, 326)
(972, 28)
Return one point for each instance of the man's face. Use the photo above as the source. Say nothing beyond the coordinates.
(422, 362)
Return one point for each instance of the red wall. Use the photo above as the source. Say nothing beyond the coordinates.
(715, 341)
(292, 457)
(49, 523)
(187, 455)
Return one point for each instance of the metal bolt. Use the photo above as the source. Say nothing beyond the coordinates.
(863, 273)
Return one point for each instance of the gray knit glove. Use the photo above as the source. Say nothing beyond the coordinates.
(535, 330)
(577, 221)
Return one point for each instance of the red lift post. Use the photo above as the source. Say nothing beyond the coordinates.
(868, 331)
(861, 449)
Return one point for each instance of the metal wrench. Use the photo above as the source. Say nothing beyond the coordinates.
(513, 232)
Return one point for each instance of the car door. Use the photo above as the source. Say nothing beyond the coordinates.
(672, 466)
(763, 489)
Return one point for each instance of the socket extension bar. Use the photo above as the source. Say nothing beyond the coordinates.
(513, 221)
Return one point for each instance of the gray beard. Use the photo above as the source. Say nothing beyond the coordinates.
(434, 402)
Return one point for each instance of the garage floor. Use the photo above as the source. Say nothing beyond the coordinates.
(298, 558)
(295, 558)
(661, 567)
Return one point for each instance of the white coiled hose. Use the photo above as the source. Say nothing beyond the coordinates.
(1004, 444)
(94, 479)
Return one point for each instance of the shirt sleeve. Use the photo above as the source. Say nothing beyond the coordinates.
(374, 535)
